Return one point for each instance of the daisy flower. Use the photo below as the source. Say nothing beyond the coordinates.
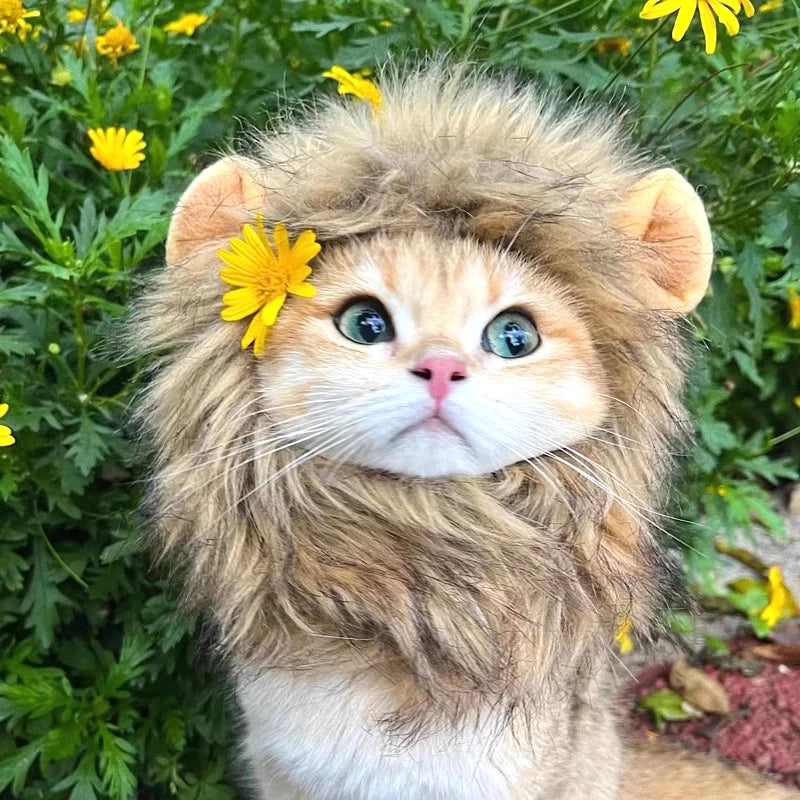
(724, 10)
(263, 276)
(117, 149)
(356, 85)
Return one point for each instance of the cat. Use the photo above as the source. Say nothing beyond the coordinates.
(419, 517)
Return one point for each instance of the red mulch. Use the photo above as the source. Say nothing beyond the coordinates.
(762, 731)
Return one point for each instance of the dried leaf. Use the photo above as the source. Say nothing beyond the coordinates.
(701, 690)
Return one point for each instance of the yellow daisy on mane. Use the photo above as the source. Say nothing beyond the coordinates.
(724, 10)
(356, 85)
(263, 277)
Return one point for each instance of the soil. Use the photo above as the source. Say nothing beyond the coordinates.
(762, 730)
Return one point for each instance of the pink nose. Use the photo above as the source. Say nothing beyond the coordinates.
(440, 372)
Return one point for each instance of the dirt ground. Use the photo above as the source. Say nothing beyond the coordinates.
(762, 729)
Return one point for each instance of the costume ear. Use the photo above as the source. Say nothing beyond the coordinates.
(664, 213)
(215, 206)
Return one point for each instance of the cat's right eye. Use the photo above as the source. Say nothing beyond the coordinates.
(365, 321)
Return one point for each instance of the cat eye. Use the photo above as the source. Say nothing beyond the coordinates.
(365, 321)
(511, 334)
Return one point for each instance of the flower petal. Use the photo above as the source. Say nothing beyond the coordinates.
(3, 409)
(253, 329)
(657, 10)
(682, 21)
(726, 17)
(240, 303)
(709, 26)
(302, 289)
(238, 276)
(298, 274)
(261, 340)
(270, 311)
(281, 239)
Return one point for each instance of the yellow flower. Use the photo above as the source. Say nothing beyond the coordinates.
(614, 44)
(622, 637)
(796, 400)
(60, 76)
(356, 85)
(116, 42)
(794, 309)
(117, 149)
(14, 18)
(725, 10)
(100, 12)
(771, 5)
(187, 24)
(6, 438)
(781, 603)
(263, 277)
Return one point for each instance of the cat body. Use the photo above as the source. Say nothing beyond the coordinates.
(419, 517)
(319, 736)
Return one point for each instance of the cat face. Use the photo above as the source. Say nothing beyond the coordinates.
(430, 357)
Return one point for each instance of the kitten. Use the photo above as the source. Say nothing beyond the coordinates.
(419, 517)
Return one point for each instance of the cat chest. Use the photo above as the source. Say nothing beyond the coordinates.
(321, 735)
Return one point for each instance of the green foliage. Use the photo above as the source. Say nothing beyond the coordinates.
(667, 705)
(102, 693)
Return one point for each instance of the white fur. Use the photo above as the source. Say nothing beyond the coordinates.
(317, 738)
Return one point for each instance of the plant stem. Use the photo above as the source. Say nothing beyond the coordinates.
(783, 437)
(60, 561)
(80, 340)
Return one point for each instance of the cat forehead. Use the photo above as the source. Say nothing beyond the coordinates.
(421, 272)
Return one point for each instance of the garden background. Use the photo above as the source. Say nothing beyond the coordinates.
(102, 693)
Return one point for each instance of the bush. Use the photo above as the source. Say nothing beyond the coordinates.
(102, 694)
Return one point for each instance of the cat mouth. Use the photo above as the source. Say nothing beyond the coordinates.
(435, 424)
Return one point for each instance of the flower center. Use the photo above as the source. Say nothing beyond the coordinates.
(270, 283)
(11, 11)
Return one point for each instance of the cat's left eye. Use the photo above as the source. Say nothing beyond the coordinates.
(511, 334)
(365, 321)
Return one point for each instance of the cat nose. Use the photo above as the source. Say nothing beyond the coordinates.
(440, 372)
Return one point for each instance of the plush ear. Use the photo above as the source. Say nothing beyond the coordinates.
(664, 213)
(214, 207)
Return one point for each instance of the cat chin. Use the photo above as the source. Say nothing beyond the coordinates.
(430, 452)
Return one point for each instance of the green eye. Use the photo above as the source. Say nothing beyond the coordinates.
(511, 334)
(365, 321)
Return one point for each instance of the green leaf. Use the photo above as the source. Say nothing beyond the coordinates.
(323, 28)
(666, 705)
(14, 768)
(43, 597)
(88, 446)
(717, 435)
(116, 756)
(750, 271)
(14, 344)
(23, 185)
(717, 646)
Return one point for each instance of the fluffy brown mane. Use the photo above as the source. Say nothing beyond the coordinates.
(492, 585)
